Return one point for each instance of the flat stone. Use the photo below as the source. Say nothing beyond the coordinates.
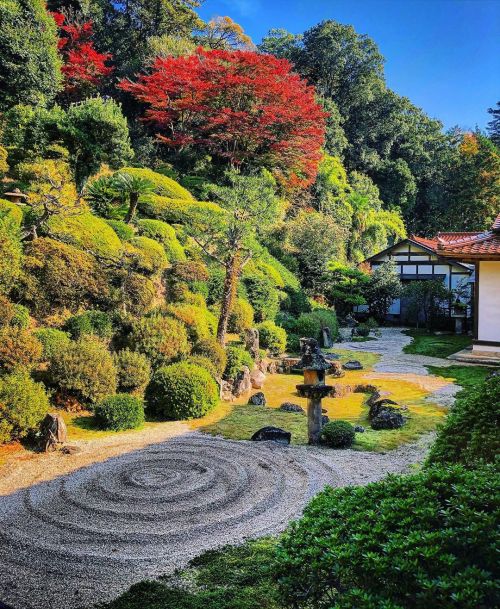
(388, 419)
(273, 434)
(257, 378)
(71, 449)
(290, 407)
(352, 365)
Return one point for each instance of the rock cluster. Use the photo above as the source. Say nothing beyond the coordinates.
(386, 414)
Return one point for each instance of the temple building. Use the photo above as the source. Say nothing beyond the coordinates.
(482, 249)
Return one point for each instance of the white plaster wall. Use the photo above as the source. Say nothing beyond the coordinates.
(489, 301)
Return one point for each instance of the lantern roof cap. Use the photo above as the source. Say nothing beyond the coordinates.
(311, 356)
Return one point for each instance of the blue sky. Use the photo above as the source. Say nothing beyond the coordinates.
(442, 54)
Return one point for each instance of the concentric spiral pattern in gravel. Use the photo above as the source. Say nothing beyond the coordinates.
(87, 536)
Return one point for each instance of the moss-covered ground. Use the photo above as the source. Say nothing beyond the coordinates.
(435, 345)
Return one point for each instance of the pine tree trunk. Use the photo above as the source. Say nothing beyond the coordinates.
(228, 294)
(134, 199)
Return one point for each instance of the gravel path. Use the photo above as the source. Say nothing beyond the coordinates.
(80, 529)
(396, 364)
(87, 536)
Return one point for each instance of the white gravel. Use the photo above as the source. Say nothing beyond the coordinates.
(87, 536)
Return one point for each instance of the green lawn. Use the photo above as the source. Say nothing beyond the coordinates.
(465, 376)
(441, 345)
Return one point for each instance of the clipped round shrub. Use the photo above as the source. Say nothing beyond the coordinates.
(161, 339)
(87, 232)
(203, 362)
(90, 322)
(164, 234)
(163, 185)
(241, 317)
(409, 542)
(118, 412)
(148, 256)
(327, 319)
(237, 357)
(338, 434)
(53, 341)
(137, 293)
(134, 371)
(85, 369)
(23, 405)
(19, 348)
(215, 352)
(14, 212)
(124, 231)
(200, 323)
(21, 317)
(262, 295)
(362, 330)
(307, 325)
(181, 391)
(293, 342)
(272, 337)
(175, 211)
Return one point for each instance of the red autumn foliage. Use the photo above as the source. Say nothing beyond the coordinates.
(239, 106)
(84, 67)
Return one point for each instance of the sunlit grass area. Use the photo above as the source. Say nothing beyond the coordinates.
(440, 345)
(239, 420)
(465, 376)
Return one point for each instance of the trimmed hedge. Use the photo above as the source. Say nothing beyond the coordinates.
(211, 349)
(23, 405)
(119, 412)
(164, 234)
(163, 185)
(174, 211)
(181, 391)
(241, 317)
(134, 371)
(85, 369)
(470, 433)
(161, 339)
(124, 231)
(409, 542)
(87, 232)
(272, 337)
(200, 323)
(338, 434)
(138, 293)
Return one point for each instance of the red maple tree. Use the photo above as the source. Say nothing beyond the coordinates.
(84, 67)
(241, 107)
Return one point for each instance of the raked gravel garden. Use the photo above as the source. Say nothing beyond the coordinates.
(81, 528)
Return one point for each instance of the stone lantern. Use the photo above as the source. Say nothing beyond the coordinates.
(314, 389)
(16, 196)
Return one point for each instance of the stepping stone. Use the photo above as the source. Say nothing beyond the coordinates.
(352, 365)
(274, 434)
(290, 407)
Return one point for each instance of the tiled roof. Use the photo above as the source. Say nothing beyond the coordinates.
(430, 243)
(471, 245)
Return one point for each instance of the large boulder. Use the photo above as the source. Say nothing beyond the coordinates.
(388, 419)
(242, 383)
(336, 370)
(290, 407)
(257, 399)
(257, 378)
(273, 434)
(53, 431)
(379, 405)
(252, 343)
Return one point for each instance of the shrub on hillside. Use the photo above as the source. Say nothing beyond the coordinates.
(147, 255)
(215, 352)
(181, 391)
(88, 232)
(124, 231)
(200, 323)
(10, 252)
(175, 211)
(338, 434)
(307, 325)
(327, 319)
(164, 234)
(134, 371)
(203, 362)
(23, 405)
(97, 323)
(272, 337)
(118, 412)
(19, 348)
(237, 357)
(241, 317)
(52, 340)
(163, 185)
(11, 211)
(85, 369)
(161, 339)
(137, 293)
(470, 433)
(408, 541)
(61, 275)
(263, 296)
